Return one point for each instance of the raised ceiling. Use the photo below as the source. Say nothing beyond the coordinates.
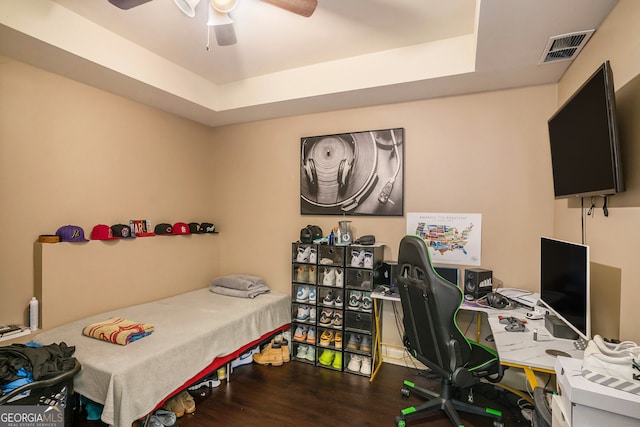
(348, 54)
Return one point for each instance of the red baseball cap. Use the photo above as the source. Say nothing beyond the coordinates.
(102, 232)
(181, 228)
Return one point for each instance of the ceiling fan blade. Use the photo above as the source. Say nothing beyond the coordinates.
(127, 4)
(300, 7)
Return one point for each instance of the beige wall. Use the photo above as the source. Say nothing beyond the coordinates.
(71, 154)
(614, 240)
(485, 153)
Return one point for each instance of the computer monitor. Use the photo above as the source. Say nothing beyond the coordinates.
(565, 283)
(452, 274)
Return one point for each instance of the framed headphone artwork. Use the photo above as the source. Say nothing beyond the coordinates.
(357, 173)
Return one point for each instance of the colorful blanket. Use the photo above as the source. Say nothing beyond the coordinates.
(118, 330)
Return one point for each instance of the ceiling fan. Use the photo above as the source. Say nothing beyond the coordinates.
(219, 11)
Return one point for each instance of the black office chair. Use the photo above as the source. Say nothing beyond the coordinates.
(430, 304)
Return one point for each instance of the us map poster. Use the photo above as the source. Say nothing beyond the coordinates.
(452, 238)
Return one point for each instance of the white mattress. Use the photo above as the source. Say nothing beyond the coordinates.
(191, 330)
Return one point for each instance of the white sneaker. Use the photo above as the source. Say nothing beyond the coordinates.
(368, 259)
(303, 254)
(303, 294)
(355, 363)
(357, 258)
(312, 295)
(303, 313)
(313, 256)
(302, 352)
(329, 278)
(612, 349)
(338, 302)
(311, 336)
(619, 369)
(245, 358)
(339, 278)
(328, 299)
(312, 315)
(365, 369)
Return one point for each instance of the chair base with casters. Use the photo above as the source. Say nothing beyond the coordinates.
(442, 401)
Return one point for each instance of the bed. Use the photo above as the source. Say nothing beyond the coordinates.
(194, 333)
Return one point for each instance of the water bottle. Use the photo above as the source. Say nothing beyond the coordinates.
(33, 313)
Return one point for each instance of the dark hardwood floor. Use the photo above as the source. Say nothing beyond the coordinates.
(299, 394)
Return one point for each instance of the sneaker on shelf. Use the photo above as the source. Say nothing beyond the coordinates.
(303, 294)
(339, 278)
(325, 316)
(311, 277)
(338, 340)
(312, 295)
(325, 338)
(303, 313)
(301, 274)
(337, 318)
(353, 343)
(313, 256)
(303, 254)
(367, 302)
(337, 361)
(301, 353)
(365, 368)
(329, 278)
(357, 258)
(328, 299)
(619, 369)
(312, 315)
(311, 336)
(368, 259)
(222, 372)
(355, 362)
(300, 334)
(311, 354)
(326, 358)
(355, 297)
(326, 261)
(338, 302)
(365, 344)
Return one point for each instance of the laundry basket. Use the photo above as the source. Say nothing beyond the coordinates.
(54, 391)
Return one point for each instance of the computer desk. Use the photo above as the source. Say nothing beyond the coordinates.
(515, 349)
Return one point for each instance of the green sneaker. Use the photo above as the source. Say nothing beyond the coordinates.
(326, 357)
(337, 361)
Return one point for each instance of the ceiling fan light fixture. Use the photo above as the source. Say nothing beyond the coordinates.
(218, 18)
(188, 7)
(224, 6)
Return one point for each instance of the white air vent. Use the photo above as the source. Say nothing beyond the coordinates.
(564, 47)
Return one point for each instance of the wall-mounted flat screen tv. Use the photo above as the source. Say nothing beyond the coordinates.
(583, 133)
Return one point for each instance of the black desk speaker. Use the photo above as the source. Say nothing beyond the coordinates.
(477, 282)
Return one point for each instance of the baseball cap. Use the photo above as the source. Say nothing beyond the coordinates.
(71, 233)
(102, 232)
(122, 230)
(163, 229)
(207, 227)
(181, 228)
(195, 228)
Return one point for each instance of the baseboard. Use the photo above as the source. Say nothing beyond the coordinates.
(397, 355)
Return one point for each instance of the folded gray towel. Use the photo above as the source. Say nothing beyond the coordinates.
(252, 293)
(239, 281)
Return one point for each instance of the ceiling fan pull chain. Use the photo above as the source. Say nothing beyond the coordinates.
(208, 36)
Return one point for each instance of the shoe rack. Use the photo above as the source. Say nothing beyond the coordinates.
(359, 330)
(332, 317)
